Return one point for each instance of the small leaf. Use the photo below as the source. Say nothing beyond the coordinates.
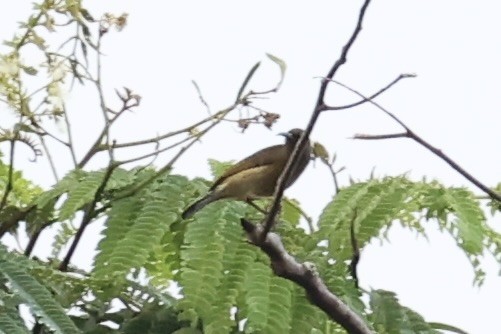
(247, 79)
(39, 299)
(86, 15)
(319, 151)
(30, 70)
(217, 168)
(282, 65)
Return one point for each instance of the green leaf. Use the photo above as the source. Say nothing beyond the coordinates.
(305, 316)
(38, 298)
(388, 316)
(80, 194)
(10, 325)
(268, 300)
(136, 225)
(30, 70)
(291, 211)
(247, 79)
(219, 167)
(470, 219)
(64, 185)
(283, 68)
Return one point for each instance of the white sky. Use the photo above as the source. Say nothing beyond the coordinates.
(453, 47)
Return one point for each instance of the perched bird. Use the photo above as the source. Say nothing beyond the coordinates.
(257, 175)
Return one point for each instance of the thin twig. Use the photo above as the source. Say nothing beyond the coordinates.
(319, 107)
(44, 132)
(157, 152)
(188, 129)
(412, 135)
(166, 167)
(333, 173)
(88, 216)
(373, 96)
(70, 137)
(201, 97)
(49, 157)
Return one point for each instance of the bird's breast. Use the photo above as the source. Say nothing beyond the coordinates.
(251, 183)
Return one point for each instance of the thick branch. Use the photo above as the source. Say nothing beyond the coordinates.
(319, 107)
(304, 274)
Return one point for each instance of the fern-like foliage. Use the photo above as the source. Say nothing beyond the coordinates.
(80, 193)
(136, 225)
(69, 181)
(224, 280)
(389, 317)
(305, 318)
(268, 299)
(36, 295)
(23, 191)
(219, 167)
(202, 270)
(10, 321)
(373, 206)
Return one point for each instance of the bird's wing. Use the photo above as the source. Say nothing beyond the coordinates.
(267, 156)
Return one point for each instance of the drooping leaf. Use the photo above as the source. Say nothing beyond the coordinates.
(39, 299)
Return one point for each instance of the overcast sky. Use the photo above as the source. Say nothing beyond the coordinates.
(453, 46)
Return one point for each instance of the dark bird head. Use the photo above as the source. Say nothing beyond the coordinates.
(292, 136)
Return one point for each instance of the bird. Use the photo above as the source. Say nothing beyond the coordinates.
(256, 176)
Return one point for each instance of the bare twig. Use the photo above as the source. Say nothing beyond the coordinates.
(70, 137)
(412, 135)
(157, 152)
(201, 97)
(333, 172)
(131, 191)
(305, 275)
(319, 107)
(49, 158)
(129, 101)
(219, 115)
(373, 96)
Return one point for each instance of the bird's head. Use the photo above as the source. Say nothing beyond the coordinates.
(292, 136)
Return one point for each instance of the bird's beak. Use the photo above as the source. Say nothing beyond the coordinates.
(285, 134)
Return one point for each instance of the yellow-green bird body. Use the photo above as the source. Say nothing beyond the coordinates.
(257, 175)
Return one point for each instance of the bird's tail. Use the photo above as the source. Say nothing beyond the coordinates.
(192, 209)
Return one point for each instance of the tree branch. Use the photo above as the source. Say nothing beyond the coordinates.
(304, 274)
(87, 218)
(319, 107)
(373, 96)
(412, 135)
